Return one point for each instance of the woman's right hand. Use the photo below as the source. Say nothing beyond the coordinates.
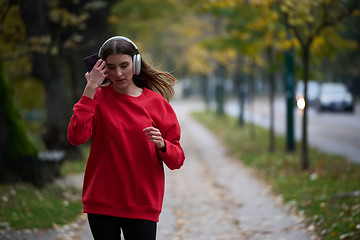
(95, 78)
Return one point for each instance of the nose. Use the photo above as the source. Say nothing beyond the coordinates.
(119, 72)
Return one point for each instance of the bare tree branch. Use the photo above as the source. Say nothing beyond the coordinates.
(346, 13)
(292, 27)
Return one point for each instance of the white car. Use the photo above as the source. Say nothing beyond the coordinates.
(334, 96)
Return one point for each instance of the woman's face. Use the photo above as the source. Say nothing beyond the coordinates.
(120, 70)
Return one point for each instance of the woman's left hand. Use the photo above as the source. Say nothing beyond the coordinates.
(154, 136)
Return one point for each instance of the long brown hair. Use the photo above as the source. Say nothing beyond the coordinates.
(158, 81)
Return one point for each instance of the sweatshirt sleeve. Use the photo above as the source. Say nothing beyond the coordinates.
(82, 121)
(169, 127)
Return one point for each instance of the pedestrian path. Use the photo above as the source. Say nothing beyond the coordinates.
(215, 197)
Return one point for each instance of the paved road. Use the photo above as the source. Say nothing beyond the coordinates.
(332, 132)
(212, 197)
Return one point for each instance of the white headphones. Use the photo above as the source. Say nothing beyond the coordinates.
(136, 57)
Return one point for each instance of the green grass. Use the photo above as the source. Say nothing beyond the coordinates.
(24, 206)
(74, 166)
(310, 191)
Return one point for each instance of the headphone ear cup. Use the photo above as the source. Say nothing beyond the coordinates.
(136, 64)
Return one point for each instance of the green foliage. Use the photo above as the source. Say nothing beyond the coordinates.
(167, 32)
(13, 50)
(30, 94)
(251, 28)
(346, 64)
(310, 192)
(317, 24)
(17, 142)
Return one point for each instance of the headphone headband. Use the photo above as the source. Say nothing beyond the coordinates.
(117, 38)
(136, 57)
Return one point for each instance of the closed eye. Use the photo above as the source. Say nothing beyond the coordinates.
(124, 65)
(110, 66)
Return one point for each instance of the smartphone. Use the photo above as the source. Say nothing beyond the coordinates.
(90, 61)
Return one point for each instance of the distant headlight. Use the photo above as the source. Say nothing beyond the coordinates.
(301, 103)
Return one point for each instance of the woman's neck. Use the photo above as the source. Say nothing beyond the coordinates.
(131, 90)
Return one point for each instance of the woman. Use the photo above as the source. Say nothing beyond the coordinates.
(133, 131)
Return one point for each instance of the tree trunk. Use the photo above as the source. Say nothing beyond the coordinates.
(57, 109)
(47, 68)
(251, 99)
(304, 147)
(77, 71)
(240, 89)
(220, 90)
(271, 99)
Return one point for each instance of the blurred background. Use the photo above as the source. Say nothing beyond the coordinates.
(282, 64)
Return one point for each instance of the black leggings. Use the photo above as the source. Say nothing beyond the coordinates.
(109, 228)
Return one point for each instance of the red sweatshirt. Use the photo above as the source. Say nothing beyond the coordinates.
(124, 175)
